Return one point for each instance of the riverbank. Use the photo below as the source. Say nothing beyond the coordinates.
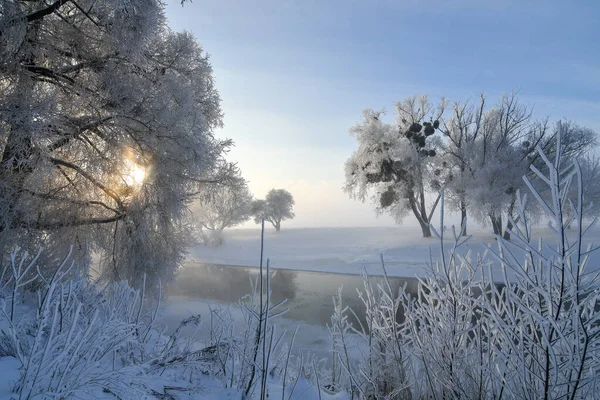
(347, 250)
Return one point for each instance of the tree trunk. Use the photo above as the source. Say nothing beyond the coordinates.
(425, 229)
(496, 224)
(278, 226)
(17, 160)
(511, 210)
(463, 217)
(509, 226)
(421, 217)
(16, 165)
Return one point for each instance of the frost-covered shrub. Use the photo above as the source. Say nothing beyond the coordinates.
(72, 338)
(245, 352)
(530, 332)
(545, 318)
(382, 368)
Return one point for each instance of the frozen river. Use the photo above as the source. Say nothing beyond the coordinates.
(308, 294)
(309, 299)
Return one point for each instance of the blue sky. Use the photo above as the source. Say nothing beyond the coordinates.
(295, 75)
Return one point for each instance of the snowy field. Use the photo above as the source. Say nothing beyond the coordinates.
(352, 250)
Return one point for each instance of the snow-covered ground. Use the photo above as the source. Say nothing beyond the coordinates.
(349, 250)
(180, 380)
(313, 339)
(334, 250)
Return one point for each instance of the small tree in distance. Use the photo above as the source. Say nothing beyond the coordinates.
(277, 206)
(227, 205)
(396, 165)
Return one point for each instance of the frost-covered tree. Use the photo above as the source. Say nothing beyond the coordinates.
(576, 141)
(226, 206)
(590, 174)
(106, 121)
(462, 128)
(396, 165)
(518, 158)
(489, 147)
(518, 322)
(276, 207)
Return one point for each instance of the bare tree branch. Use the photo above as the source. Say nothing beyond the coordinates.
(111, 193)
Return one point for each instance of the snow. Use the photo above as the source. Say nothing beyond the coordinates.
(9, 368)
(310, 338)
(347, 250)
(205, 386)
(333, 250)
(338, 250)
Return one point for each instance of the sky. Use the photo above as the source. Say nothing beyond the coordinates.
(294, 76)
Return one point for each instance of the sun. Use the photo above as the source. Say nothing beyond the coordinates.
(134, 174)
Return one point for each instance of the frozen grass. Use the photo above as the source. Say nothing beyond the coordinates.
(536, 336)
(70, 339)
